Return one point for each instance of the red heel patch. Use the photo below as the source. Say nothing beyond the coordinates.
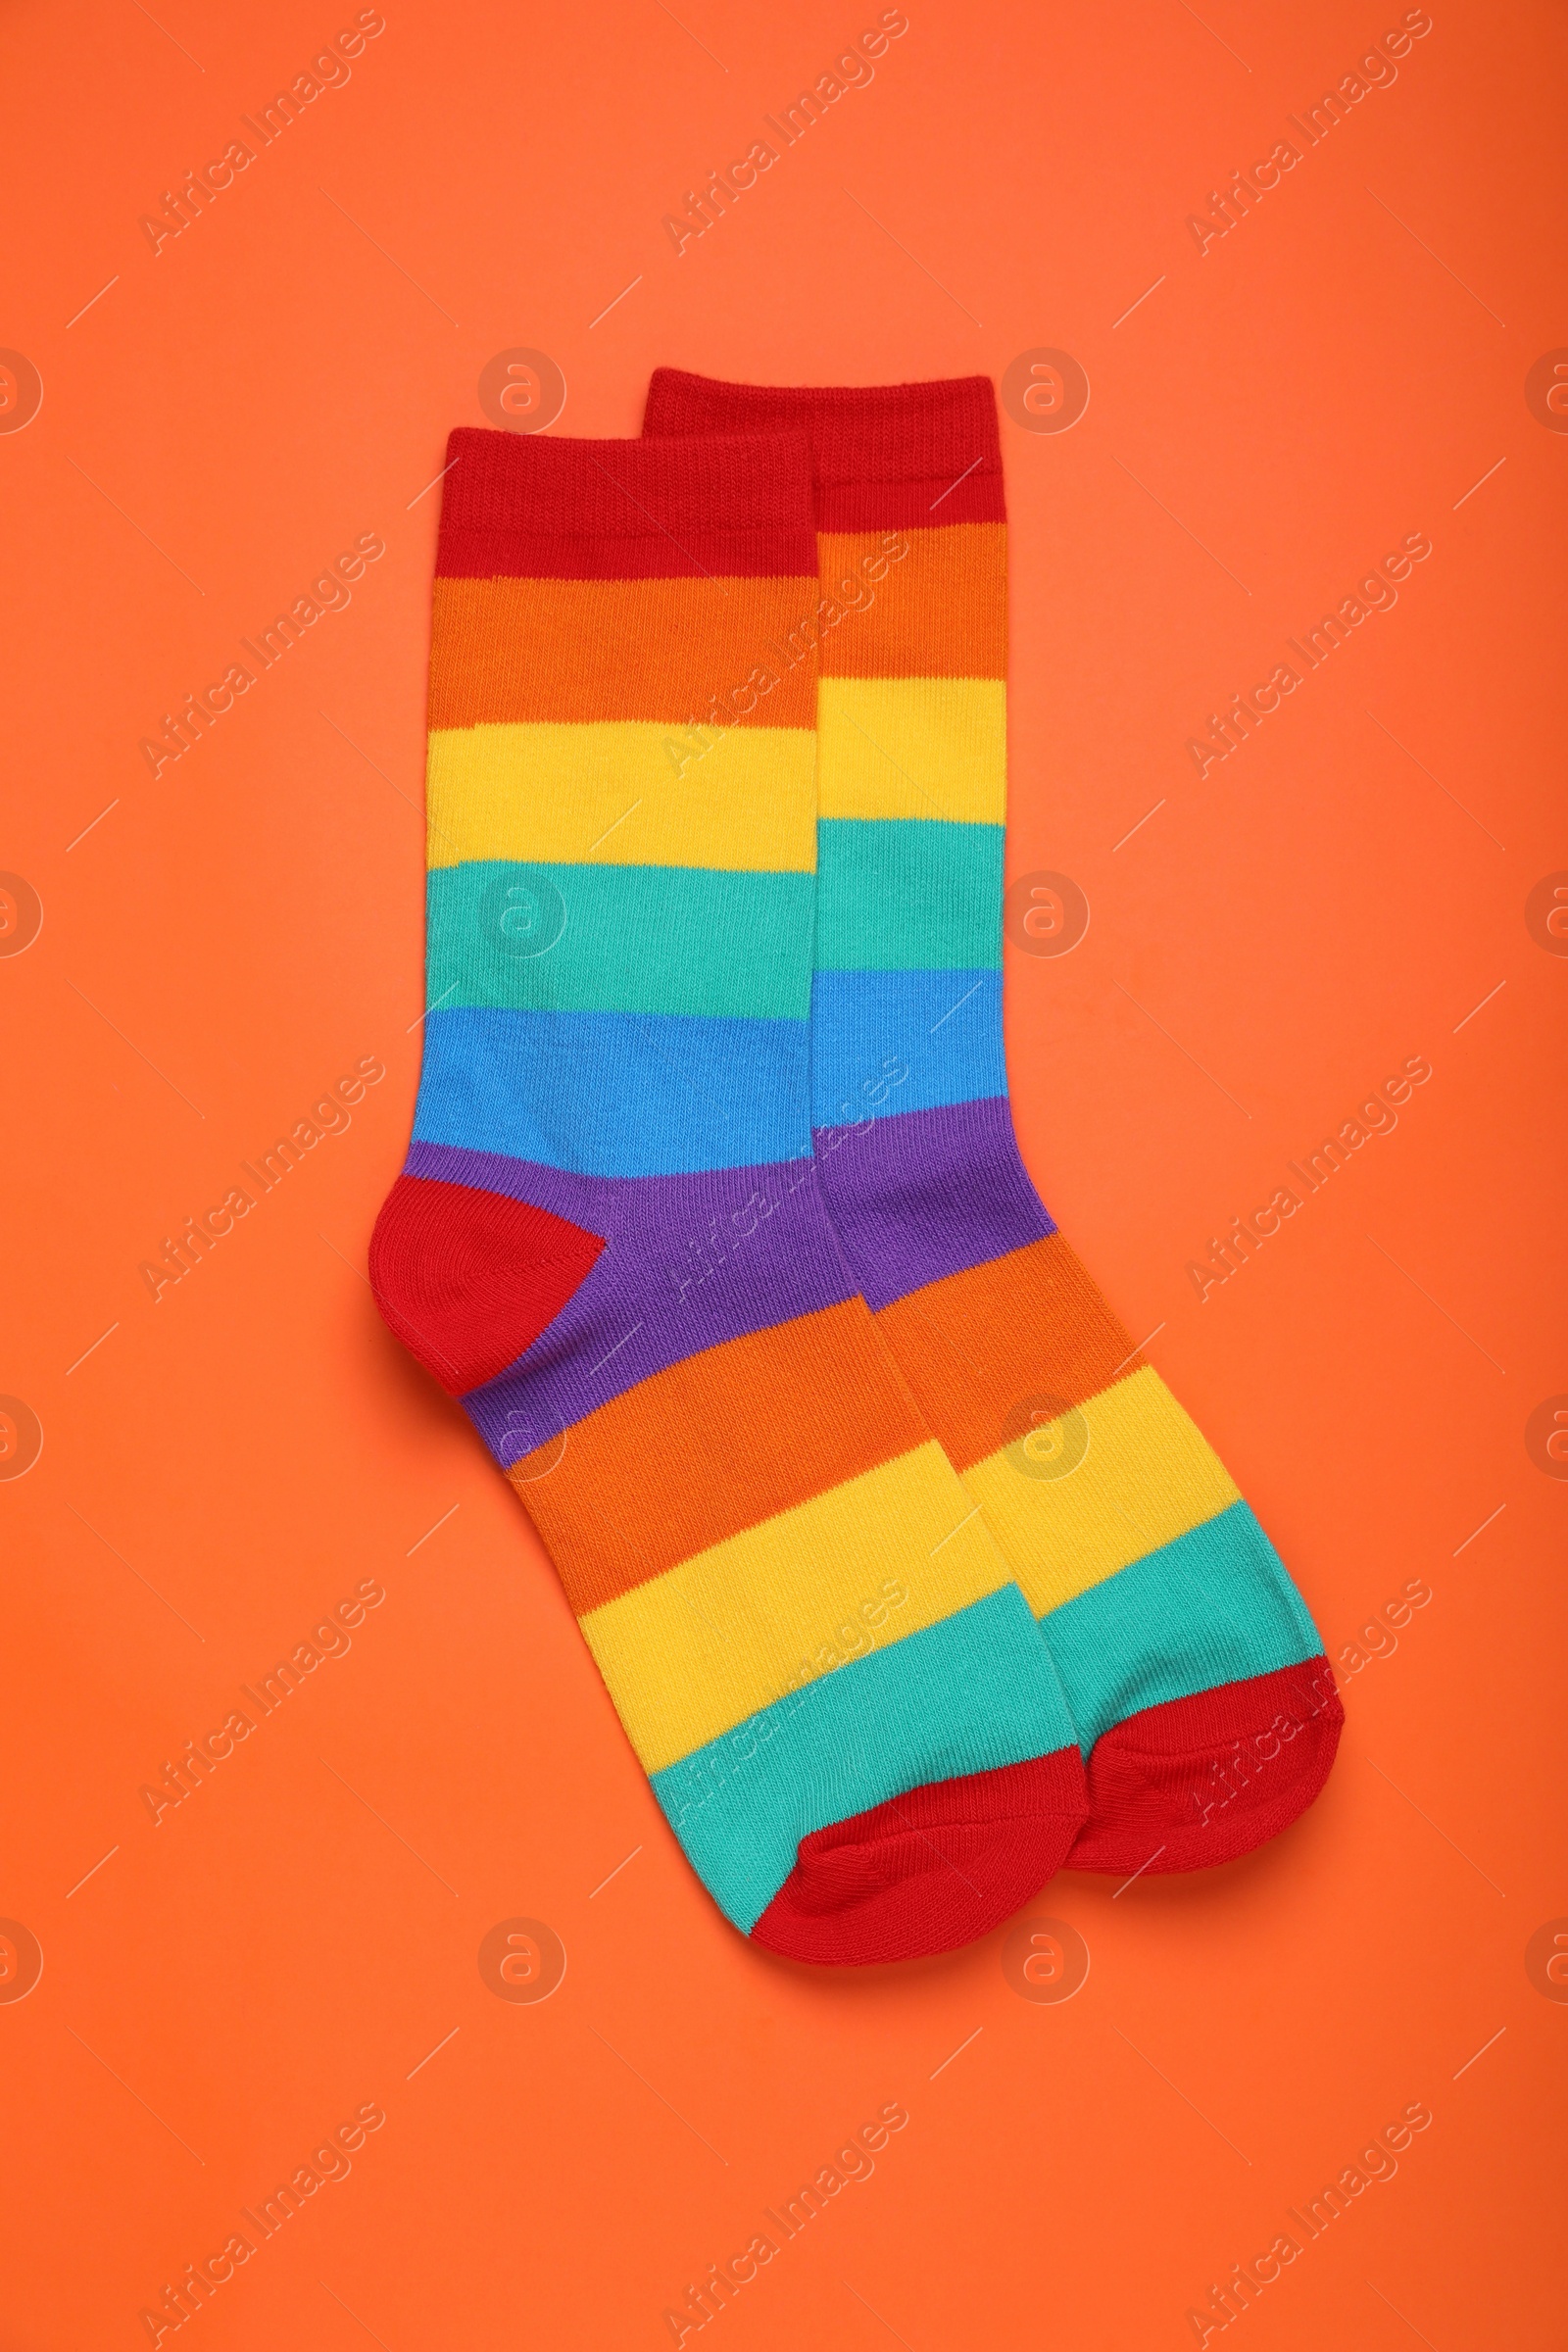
(468, 1279)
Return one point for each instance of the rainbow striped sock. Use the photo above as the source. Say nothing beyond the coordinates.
(1194, 1674)
(609, 1240)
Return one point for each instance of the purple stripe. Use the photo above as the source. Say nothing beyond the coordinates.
(681, 1273)
(928, 1193)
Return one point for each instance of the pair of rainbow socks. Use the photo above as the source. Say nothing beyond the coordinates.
(907, 1577)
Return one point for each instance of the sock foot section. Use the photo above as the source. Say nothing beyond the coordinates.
(927, 1871)
(1201, 1781)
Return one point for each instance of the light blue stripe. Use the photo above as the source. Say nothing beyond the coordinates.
(615, 1093)
(972, 1694)
(904, 1041)
(1215, 1607)
(908, 894)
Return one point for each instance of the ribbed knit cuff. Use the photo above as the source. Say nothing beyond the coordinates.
(884, 457)
(732, 503)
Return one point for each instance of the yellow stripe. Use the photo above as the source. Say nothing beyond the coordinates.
(693, 1652)
(559, 793)
(913, 746)
(1145, 1478)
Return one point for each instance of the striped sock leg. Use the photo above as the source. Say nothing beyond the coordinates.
(1204, 1702)
(609, 1241)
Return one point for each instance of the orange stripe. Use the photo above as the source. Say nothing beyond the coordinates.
(715, 1445)
(508, 652)
(939, 611)
(977, 1347)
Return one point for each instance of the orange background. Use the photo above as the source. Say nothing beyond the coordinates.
(294, 1940)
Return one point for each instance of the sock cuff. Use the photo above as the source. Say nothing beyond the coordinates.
(883, 455)
(736, 504)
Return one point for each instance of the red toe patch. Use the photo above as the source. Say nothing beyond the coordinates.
(930, 1869)
(1201, 1781)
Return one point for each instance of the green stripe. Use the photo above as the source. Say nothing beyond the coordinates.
(1214, 1606)
(526, 938)
(969, 1695)
(905, 894)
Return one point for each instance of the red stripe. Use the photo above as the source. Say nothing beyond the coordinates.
(524, 505)
(909, 506)
(506, 553)
(883, 455)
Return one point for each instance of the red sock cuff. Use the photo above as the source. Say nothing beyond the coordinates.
(883, 455)
(735, 504)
